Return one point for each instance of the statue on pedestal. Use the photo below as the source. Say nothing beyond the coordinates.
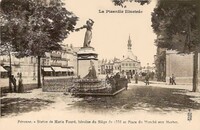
(88, 33)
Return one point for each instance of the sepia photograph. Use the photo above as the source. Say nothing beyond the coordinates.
(100, 64)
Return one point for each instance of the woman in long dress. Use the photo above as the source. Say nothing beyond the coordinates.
(20, 86)
(88, 33)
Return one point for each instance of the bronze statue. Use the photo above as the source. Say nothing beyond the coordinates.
(88, 33)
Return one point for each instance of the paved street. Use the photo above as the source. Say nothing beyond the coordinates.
(156, 98)
(157, 102)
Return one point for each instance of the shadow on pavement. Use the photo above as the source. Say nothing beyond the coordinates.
(147, 98)
(16, 106)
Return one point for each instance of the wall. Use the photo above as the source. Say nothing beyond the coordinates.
(181, 66)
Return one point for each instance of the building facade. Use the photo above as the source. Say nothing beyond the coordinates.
(60, 63)
(116, 65)
(130, 63)
(148, 69)
(56, 63)
(27, 66)
(181, 65)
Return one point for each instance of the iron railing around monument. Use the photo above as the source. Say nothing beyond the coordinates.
(98, 87)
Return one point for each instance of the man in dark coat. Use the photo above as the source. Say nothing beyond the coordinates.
(147, 79)
(173, 79)
(136, 77)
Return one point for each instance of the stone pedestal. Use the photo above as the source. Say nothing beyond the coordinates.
(85, 55)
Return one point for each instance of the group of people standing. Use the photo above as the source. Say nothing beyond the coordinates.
(17, 88)
(136, 76)
(147, 76)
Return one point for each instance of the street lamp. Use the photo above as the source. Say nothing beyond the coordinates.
(43, 72)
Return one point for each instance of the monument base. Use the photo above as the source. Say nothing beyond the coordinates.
(95, 87)
(86, 55)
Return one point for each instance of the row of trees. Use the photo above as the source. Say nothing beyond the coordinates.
(33, 27)
(176, 24)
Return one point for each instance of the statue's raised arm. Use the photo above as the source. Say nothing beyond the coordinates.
(88, 33)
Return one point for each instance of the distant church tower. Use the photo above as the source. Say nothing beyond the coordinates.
(130, 63)
(129, 52)
(129, 45)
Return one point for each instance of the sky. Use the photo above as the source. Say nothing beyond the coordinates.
(111, 30)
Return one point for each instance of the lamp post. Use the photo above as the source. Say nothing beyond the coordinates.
(43, 72)
(34, 77)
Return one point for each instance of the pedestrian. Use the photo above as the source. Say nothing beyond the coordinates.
(117, 76)
(126, 83)
(136, 77)
(128, 77)
(173, 80)
(20, 84)
(107, 79)
(131, 74)
(152, 75)
(13, 81)
(147, 79)
(170, 80)
(122, 75)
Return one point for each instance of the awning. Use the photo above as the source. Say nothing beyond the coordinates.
(2, 69)
(47, 69)
(65, 69)
(71, 70)
(57, 69)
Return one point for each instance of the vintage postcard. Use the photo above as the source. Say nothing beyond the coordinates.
(100, 64)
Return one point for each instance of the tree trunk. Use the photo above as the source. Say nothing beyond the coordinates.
(39, 72)
(10, 72)
(195, 71)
